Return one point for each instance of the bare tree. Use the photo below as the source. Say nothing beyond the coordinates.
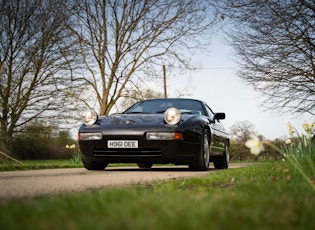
(35, 64)
(124, 42)
(241, 130)
(274, 42)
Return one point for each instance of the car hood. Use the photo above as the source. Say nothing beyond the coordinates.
(130, 119)
(135, 119)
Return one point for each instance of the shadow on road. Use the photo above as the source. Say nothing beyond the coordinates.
(154, 169)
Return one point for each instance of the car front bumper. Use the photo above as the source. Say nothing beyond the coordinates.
(147, 151)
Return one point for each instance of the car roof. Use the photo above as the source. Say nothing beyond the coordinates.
(191, 99)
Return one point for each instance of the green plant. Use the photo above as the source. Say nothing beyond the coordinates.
(76, 156)
(300, 153)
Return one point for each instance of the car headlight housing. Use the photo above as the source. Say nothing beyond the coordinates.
(172, 116)
(90, 136)
(89, 117)
(164, 136)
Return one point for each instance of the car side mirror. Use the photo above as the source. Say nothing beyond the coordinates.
(218, 116)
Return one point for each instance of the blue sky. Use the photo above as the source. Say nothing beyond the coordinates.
(218, 85)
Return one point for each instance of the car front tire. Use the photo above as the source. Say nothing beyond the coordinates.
(201, 162)
(144, 166)
(94, 165)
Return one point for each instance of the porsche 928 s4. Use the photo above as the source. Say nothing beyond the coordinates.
(158, 131)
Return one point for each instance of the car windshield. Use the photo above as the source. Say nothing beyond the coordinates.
(185, 106)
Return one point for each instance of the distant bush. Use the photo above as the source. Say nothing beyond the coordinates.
(39, 141)
(239, 152)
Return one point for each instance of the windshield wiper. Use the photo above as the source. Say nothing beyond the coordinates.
(135, 112)
(161, 111)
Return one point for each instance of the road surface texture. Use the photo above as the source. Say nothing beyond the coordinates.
(36, 183)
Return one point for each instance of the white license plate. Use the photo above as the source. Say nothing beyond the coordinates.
(127, 144)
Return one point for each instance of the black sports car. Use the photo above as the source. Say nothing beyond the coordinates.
(177, 131)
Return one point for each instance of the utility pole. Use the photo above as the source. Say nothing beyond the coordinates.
(164, 77)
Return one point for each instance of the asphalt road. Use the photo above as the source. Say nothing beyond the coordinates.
(36, 183)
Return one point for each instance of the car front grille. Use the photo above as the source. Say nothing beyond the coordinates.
(127, 153)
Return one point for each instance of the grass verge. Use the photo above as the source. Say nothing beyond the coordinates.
(267, 196)
(49, 164)
(40, 164)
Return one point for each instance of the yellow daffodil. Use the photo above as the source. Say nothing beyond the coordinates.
(290, 128)
(70, 146)
(288, 141)
(309, 127)
(255, 145)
